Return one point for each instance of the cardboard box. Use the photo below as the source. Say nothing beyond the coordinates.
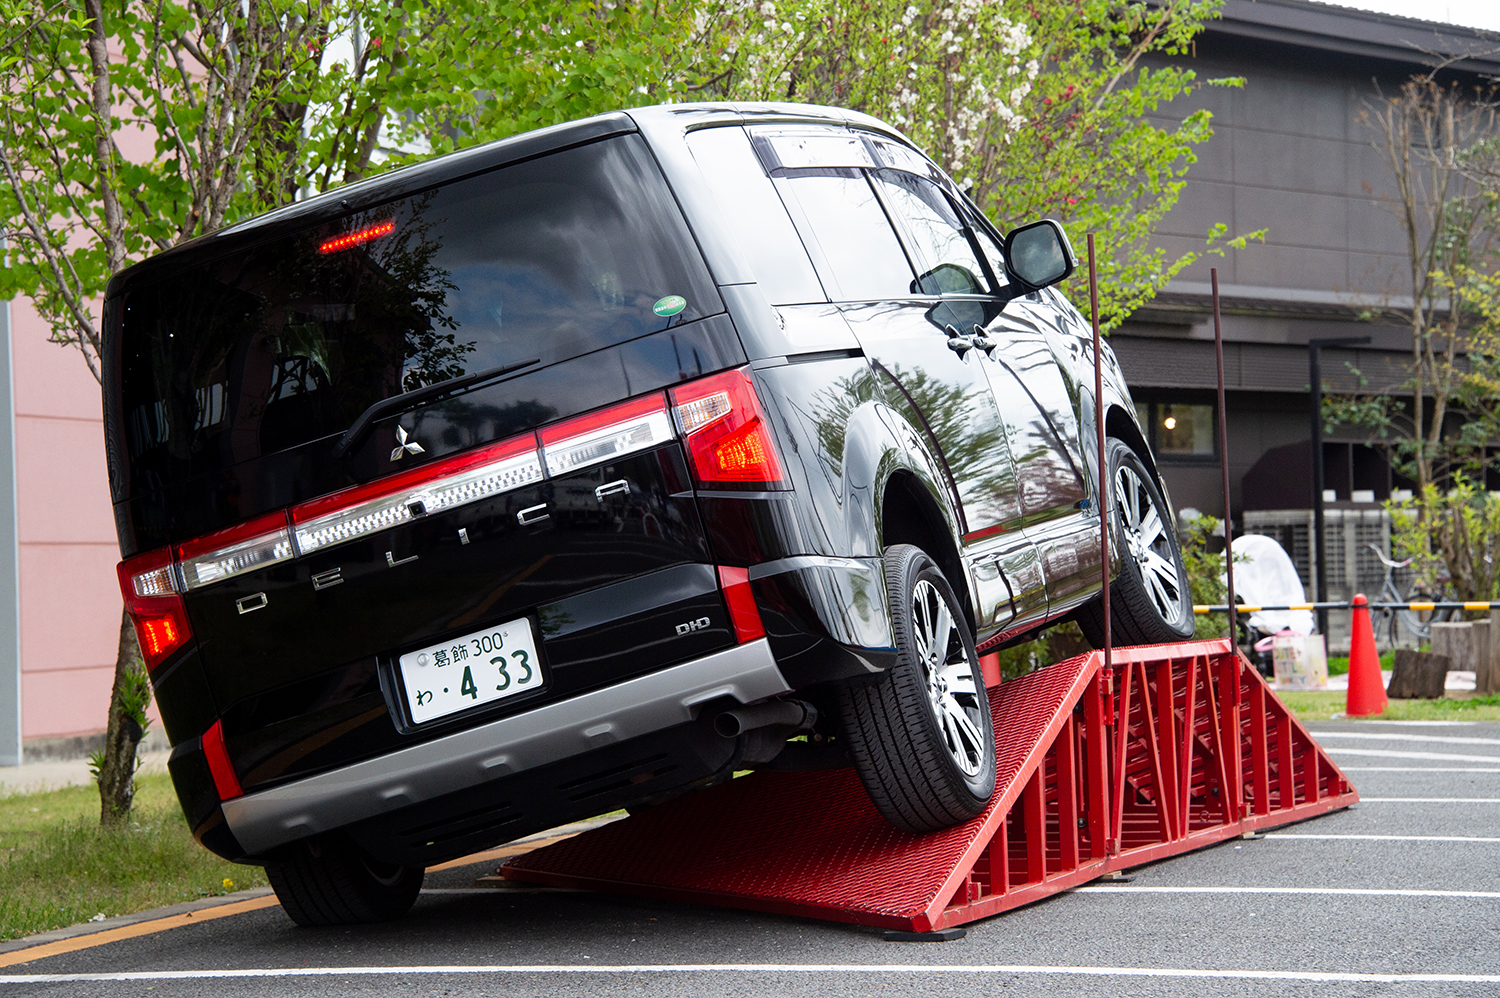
(1301, 662)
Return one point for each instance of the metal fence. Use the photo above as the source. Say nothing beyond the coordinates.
(1347, 534)
(1351, 566)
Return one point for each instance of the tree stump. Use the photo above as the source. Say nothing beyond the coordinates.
(1418, 675)
(1456, 639)
(1487, 674)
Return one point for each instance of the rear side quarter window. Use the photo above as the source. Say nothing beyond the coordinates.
(758, 221)
(861, 258)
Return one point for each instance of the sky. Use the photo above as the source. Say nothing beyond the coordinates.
(1470, 13)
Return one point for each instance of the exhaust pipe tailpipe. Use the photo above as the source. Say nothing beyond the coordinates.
(794, 715)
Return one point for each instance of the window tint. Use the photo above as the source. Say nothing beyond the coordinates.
(1178, 429)
(991, 250)
(940, 249)
(290, 341)
(758, 221)
(1186, 430)
(844, 224)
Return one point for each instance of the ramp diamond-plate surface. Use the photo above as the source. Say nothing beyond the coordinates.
(800, 841)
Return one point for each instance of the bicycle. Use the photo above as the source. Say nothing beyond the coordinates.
(1411, 620)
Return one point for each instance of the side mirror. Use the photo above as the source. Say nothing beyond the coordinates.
(1038, 255)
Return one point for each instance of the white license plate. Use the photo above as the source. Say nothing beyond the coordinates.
(460, 673)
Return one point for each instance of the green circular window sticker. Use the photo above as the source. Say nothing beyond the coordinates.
(670, 305)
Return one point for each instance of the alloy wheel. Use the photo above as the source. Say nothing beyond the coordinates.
(1148, 543)
(949, 678)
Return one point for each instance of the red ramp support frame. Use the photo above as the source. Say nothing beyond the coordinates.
(1175, 748)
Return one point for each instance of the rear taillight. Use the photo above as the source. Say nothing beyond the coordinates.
(389, 502)
(727, 436)
(149, 584)
(606, 435)
(245, 548)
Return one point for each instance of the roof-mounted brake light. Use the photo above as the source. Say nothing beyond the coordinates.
(356, 238)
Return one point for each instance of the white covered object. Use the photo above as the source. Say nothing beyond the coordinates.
(1265, 576)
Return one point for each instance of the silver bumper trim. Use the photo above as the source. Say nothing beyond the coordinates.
(261, 821)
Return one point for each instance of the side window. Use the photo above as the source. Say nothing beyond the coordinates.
(843, 223)
(941, 251)
(757, 219)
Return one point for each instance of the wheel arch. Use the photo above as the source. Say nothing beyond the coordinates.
(910, 514)
(1119, 424)
(895, 493)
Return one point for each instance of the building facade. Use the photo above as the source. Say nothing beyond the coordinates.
(1292, 155)
(59, 601)
(1289, 155)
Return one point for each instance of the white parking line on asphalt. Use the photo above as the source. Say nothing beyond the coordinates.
(1386, 838)
(1433, 756)
(1375, 736)
(1355, 891)
(1429, 800)
(1331, 977)
(1364, 722)
(1412, 769)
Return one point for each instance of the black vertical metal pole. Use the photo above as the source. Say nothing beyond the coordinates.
(1103, 457)
(1317, 547)
(1315, 396)
(1234, 633)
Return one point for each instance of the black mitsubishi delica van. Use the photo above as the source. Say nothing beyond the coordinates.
(581, 469)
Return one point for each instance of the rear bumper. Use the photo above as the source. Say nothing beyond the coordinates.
(265, 820)
(826, 617)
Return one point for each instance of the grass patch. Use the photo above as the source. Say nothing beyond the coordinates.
(1338, 665)
(1321, 705)
(58, 867)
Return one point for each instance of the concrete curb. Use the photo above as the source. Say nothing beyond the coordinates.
(89, 928)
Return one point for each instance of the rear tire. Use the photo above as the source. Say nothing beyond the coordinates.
(328, 880)
(921, 737)
(1149, 599)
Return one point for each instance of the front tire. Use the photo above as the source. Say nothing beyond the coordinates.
(921, 737)
(1150, 602)
(329, 880)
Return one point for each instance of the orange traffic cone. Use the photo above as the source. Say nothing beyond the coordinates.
(1366, 695)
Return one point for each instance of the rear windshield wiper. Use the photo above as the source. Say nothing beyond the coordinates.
(399, 403)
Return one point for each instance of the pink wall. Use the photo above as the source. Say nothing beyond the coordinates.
(70, 601)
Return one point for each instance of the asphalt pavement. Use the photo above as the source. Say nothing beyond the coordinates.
(1399, 895)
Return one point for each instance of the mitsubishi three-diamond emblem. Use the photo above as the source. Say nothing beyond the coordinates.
(403, 445)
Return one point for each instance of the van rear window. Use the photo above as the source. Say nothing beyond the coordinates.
(264, 350)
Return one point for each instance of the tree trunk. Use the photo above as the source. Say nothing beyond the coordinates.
(126, 728)
(1418, 675)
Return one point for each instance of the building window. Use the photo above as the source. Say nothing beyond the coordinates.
(1179, 430)
(1186, 430)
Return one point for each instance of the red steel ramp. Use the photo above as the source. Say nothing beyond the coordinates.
(1176, 747)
